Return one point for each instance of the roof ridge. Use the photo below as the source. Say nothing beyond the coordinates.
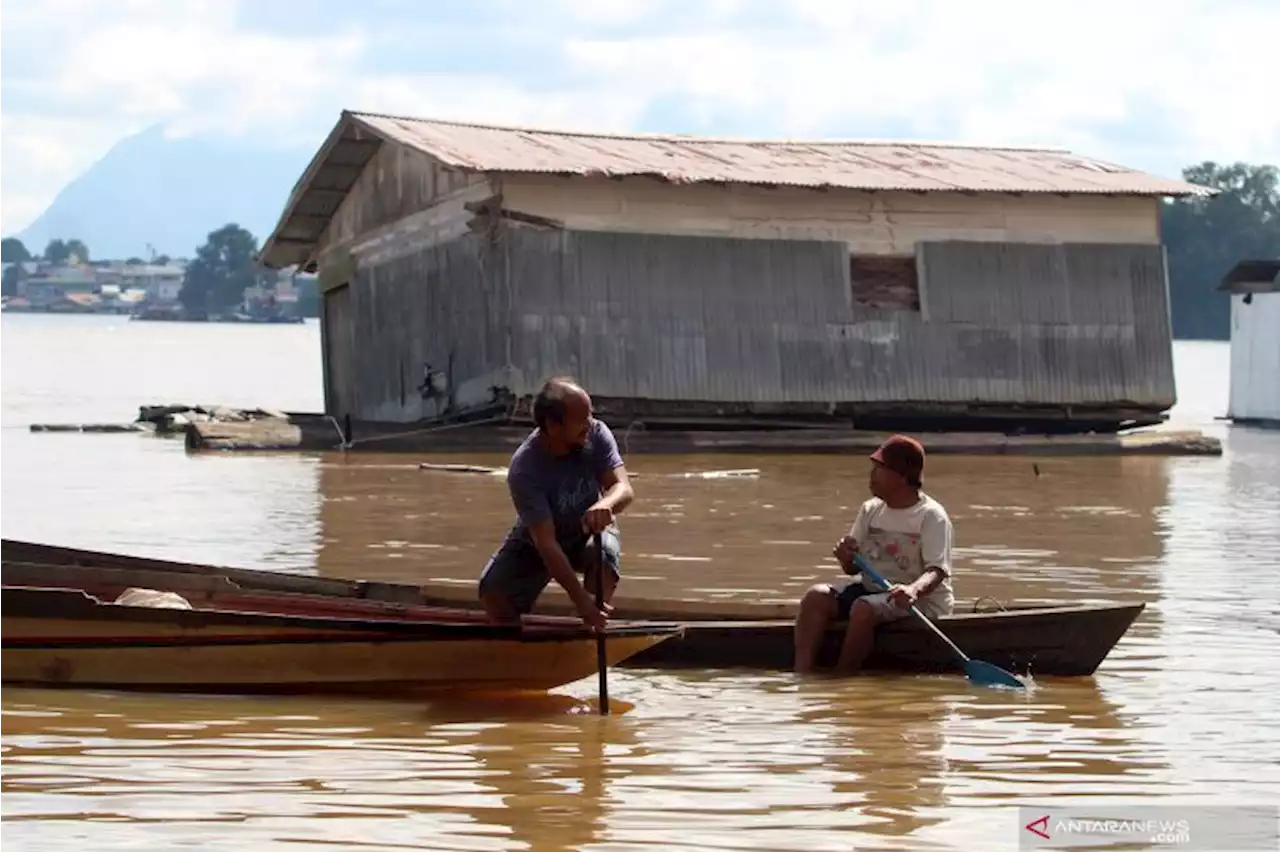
(692, 139)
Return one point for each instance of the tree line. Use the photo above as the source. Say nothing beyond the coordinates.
(1204, 238)
(214, 280)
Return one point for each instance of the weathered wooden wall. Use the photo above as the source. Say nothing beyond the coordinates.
(740, 295)
(774, 321)
(869, 222)
(397, 182)
(338, 351)
(444, 306)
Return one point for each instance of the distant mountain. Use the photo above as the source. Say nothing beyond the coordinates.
(168, 193)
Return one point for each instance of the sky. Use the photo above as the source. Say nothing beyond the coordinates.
(1152, 85)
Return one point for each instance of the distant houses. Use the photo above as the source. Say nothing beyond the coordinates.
(144, 290)
(98, 287)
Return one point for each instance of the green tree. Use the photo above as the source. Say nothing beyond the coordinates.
(56, 252)
(13, 277)
(223, 267)
(77, 250)
(1205, 237)
(134, 261)
(13, 251)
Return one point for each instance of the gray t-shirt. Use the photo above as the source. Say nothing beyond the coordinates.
(543, 486)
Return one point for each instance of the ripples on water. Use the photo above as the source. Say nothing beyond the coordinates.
(737, 761)
(1183, 708)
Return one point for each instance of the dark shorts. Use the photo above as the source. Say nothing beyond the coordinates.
(881, 607)
(846, 596)
(516, 571)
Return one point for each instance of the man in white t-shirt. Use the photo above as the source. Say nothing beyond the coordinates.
(905, 535)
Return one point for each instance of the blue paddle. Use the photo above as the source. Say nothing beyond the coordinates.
(983, 674)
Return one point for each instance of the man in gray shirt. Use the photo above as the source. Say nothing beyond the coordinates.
(567, 481)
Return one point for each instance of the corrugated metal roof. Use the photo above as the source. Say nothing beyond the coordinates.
(1252, 276)
(866, 165)
(831, 164)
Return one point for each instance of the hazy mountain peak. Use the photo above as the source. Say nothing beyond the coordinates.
(168, 191)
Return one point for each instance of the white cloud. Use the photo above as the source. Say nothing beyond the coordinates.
(1154, 85)
(1000, 71)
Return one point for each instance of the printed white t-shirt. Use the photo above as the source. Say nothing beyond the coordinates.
(901, 543)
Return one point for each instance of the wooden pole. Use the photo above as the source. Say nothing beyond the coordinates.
(602, 660)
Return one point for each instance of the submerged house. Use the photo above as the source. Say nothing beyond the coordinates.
(1254, 395)
(685, 279)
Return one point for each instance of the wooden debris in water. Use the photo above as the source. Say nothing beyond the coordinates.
(485, 470)
(91, 427)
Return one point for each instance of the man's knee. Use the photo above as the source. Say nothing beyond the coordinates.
(862, 615)
(499, 607)
(875, 610)
(510, 584)
(818, 602)
(612, 552)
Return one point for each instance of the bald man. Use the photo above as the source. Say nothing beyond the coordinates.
(567, 482)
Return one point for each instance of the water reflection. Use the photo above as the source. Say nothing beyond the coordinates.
(1085, 529)
(692, 760)
(529, 772)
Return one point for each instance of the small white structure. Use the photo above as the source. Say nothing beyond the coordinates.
(1254, 286)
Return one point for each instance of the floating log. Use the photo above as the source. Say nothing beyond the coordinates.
(266, 433)
(484, 470)
(91, 427)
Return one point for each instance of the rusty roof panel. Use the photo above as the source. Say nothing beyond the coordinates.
(904, 166)
(854, 165)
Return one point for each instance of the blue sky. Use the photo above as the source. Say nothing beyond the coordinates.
(1155, 85)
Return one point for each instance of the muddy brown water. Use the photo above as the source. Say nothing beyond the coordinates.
(1182, 710)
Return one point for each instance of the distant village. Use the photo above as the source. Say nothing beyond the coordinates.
(145, 290)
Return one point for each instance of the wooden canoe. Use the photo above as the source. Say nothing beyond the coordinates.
(62, 636)
(1060, 640)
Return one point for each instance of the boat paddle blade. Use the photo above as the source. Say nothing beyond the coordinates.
(985, 674)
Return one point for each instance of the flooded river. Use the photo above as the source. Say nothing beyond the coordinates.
(1182, 711)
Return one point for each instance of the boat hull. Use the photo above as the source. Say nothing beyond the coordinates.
(66, 638)
(1057, 641)
(1064, 640)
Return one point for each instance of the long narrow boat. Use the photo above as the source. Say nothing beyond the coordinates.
(1062, 640)
(155, 637)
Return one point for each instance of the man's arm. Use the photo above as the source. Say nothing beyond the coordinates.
(935, 552)
(848, 546)
(614, 482)
(617, 490)
(557, 564)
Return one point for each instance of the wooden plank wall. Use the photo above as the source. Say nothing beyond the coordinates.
(773, 321)
(338, 351)
(1076, 323)
(889, 223)
(440, 303)
(397, 182)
